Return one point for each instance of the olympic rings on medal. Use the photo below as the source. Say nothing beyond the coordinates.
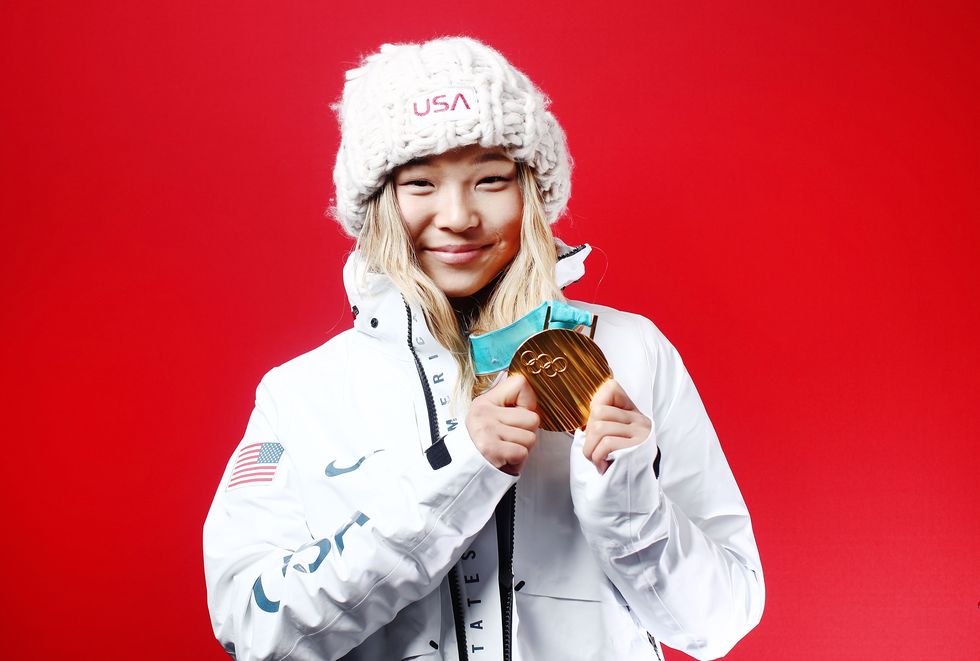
(542, 362)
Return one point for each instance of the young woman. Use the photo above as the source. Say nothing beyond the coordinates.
(388, 503)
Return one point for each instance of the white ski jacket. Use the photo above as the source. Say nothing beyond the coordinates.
(355, 492)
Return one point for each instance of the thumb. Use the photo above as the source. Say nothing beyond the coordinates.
(512, 391)
(526, 397)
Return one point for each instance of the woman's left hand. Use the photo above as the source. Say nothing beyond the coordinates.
(614, 423)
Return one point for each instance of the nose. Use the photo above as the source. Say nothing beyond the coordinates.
(456, 213)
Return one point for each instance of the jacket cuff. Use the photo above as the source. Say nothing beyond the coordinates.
(606, 504)
(487, 483)
(455, 501)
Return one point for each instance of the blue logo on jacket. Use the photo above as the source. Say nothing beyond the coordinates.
(332, 470)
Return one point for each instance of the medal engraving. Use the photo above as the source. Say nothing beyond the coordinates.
(551, 367)
(565, 369)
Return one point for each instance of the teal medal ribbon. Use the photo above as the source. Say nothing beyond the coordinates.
(493, 351)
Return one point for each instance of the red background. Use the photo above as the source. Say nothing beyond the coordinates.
(790, 190)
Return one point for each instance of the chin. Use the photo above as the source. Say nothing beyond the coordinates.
(459, 292)
(461, 285)
(457, 288)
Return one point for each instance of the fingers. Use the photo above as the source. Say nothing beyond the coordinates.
(523, 437)
(519, 417)
(512, 454)
(611, 393)
(503, 424)
(600, 455)
(610, 413)
(596, 431)
(509, 457)
(604, 437)
(614, 423)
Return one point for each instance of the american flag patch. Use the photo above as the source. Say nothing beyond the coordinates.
(256, 463)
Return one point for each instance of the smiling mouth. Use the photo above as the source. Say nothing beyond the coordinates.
(455, 255)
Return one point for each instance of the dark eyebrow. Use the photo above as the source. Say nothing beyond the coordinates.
(421, 160)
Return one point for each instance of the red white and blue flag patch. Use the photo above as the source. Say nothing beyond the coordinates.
(256, 464)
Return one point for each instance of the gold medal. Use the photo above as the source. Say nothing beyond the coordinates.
(565, 370)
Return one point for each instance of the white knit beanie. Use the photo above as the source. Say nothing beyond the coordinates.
(414, 100)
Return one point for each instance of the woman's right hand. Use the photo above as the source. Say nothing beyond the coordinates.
(503, 423)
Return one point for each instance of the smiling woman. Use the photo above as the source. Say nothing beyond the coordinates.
(392, 524)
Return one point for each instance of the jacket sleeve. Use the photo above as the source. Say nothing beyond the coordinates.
(275, 590)
(679, 546)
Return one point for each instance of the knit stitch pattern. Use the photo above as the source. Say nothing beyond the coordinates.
(381, 129)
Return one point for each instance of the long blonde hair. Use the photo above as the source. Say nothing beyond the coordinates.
(524, 284)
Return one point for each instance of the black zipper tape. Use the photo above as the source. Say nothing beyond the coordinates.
(438, 456)
(456, 596)
(437, 453)
(504, 516)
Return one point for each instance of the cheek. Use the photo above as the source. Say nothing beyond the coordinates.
(412, 217)
(507, 217)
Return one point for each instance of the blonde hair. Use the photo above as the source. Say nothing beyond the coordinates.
(523, 284)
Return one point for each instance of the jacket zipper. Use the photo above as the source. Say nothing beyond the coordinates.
(504, 516)
(457, 599)
(430, 402)
(453, 577)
